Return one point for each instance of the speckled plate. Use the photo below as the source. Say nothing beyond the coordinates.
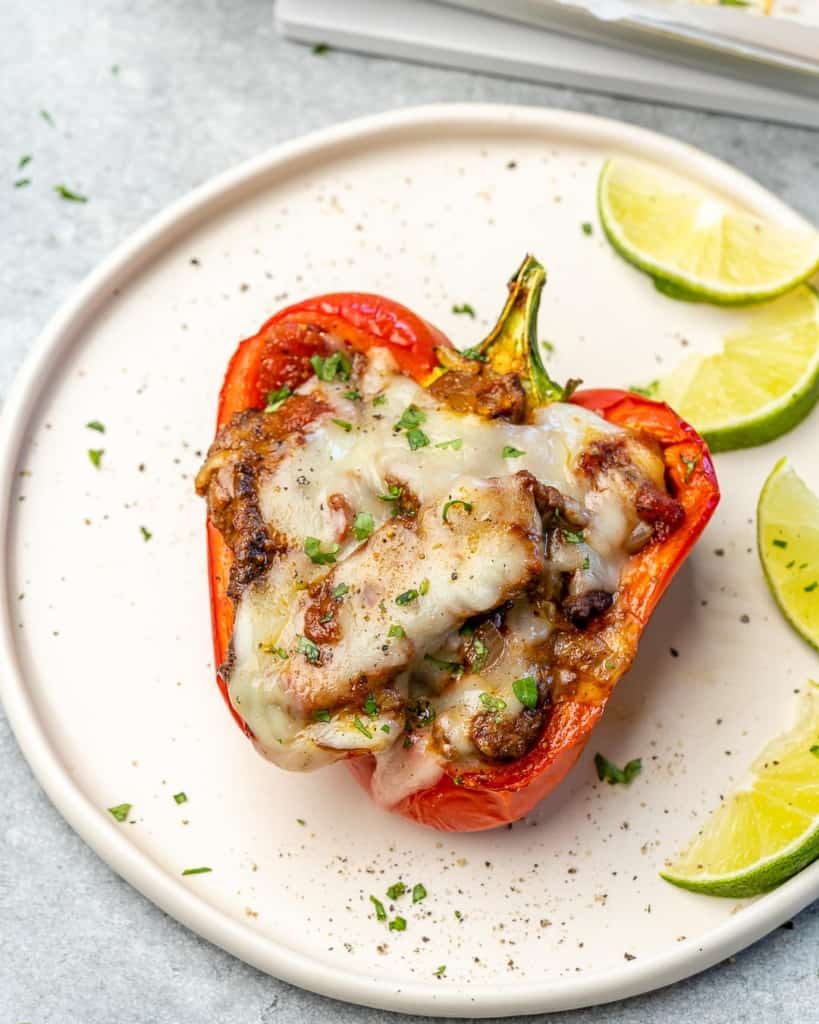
(106, 669)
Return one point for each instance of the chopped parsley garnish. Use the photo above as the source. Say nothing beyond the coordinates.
(353, 396)
(779, 543)
(646, 390)
(480, 652)
(572, 536)
(811, 587)
(609, 772)
(386, 727)
(586, 563)
(312, 548)
(380, 912)
(363, 525)
(423, 587)
(396, 891)
(338, 364)
(418, 893)
(322, 715)
(339, 591)
(407, 597)
(417, 439)
(464, 310)
(146, 533)
(196, 871)
(44, 114)
(394, 492)
(492, 703)
(370, 706)
(525, 690)
(411, 417)
(21, 163)
(380, 399)
(509, 452)
(95, 455)
(465, 505)
(690, 465)
(397, 630)
(815, 749)
(22, 182)
(277, 398)
(475, 355)
(181, 797)
(586, 228)
(120, 812)
(440, 971)
(327, 616)
(273, 649)
(319, 49)
(67, 193)
(362, 728)
(300, 821)
(345, 425)
(398, 924)
(457, 443)
(454, 668)
(95, 425)
(308, 649)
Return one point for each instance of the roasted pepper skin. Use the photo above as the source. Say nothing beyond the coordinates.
(495, 795)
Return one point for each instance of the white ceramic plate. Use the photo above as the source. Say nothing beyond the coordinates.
(106, 669)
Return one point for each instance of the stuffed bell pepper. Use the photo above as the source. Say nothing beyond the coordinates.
(435, 564)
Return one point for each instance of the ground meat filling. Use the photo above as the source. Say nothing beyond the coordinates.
(585, 608)
(478, 389)
(506, 739)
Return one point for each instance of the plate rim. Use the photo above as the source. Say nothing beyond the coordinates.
(63, 331)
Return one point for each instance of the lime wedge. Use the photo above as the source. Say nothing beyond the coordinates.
(787, 533)
(764, 382)
(761, 836)
(694, 243)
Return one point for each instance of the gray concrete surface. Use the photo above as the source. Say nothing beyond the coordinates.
(148, 99)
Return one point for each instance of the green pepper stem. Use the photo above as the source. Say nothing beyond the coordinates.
(512, 344)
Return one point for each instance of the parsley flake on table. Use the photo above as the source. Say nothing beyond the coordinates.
(398, 924)
(197, 871)
(319, 49)
(607, 771)
(95, 425)
(181, 797)
(95, 455)
(23, 161)
(419, 893)
(146, 533)
(22, 183)
(380, 912)
(120, 812)
(464, 310)
(440, 971)
(66, 193)
(586, 228)
(44, 114)
(396, 891)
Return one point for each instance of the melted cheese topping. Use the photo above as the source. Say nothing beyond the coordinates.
(305, 711)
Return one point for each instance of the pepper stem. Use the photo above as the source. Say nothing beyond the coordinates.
(512, 345)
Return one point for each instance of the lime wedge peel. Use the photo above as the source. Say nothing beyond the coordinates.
(761, 836)
(788, 544)
(693, 243)
(763, 383)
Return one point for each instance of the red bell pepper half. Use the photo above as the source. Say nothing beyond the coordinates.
(279, 355)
